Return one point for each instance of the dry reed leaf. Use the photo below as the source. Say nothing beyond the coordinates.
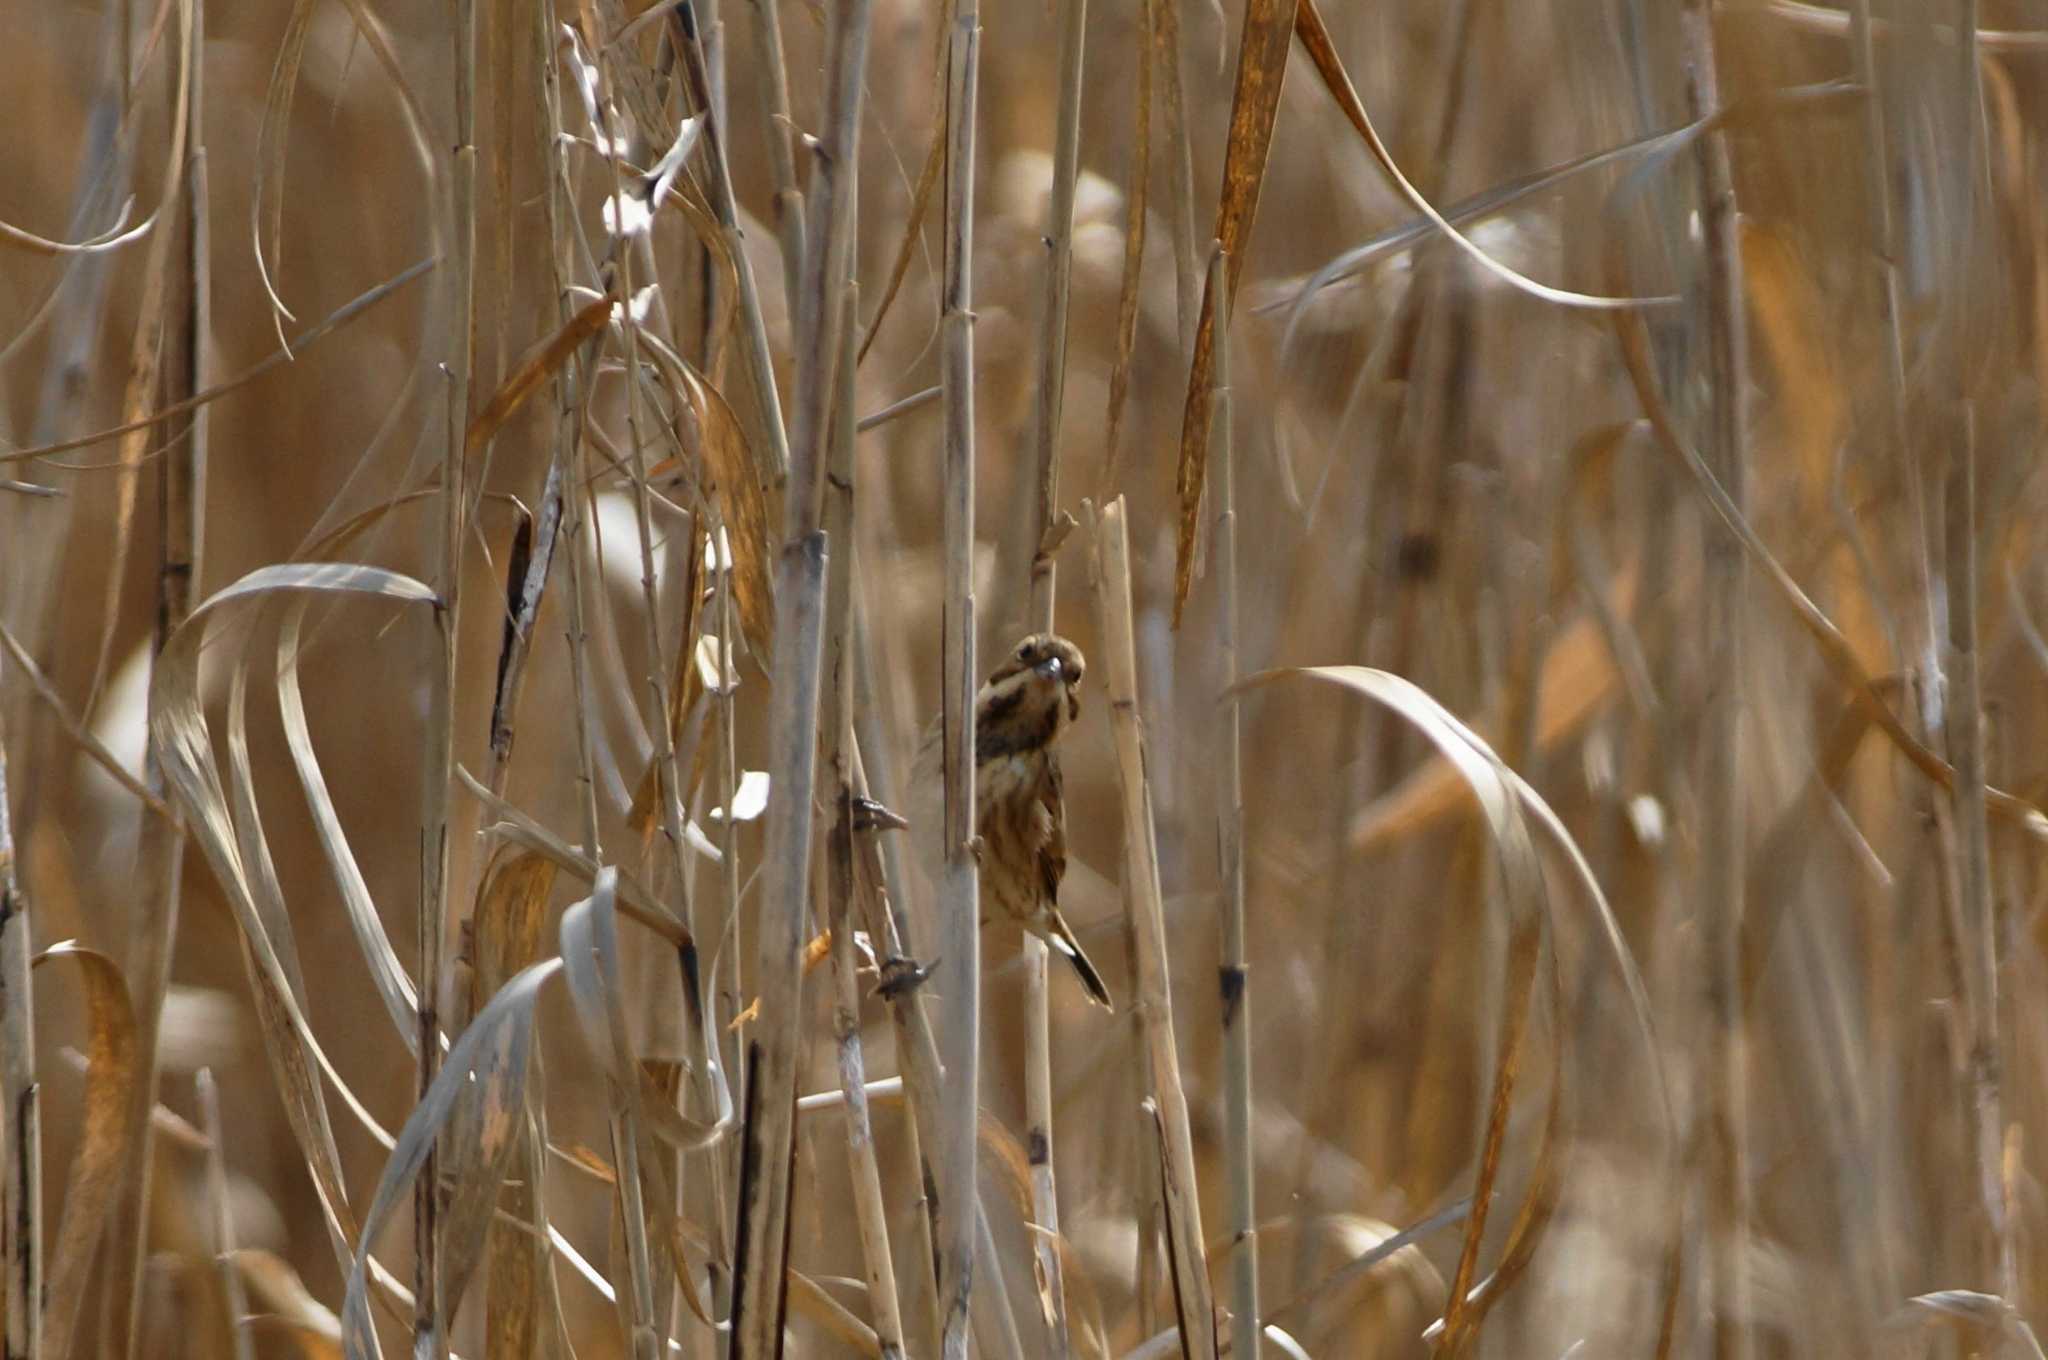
(1504, 798)
(511, 907)
(750, 506)
(230, 834)
(394, 986)
(1315, 40)
(516, 826)
(506, 936)
(1255, 102)
(111, 1072)
(1528, 907)
(270, 152)
(685, 688)
(534, 368)
(486, 1066)
(311, 1324)
(1578, 677)
(590, 959)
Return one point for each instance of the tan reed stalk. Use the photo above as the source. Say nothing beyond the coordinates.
(960, 881)
(870, 1209)
(21, 1178)
(430, 1338)
(1048, 529)
(1154, 1003)
(1234, 972)
(774, 1052)
(160, 852)
(1723, 1170)
(223, 1226)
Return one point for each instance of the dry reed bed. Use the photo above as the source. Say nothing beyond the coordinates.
(505, 487)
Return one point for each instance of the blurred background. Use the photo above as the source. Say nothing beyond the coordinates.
(1768, 732)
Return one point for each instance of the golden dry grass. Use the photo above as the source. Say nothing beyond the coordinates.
(1641, 870)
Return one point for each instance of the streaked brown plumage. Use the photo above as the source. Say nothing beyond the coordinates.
(1030, 698)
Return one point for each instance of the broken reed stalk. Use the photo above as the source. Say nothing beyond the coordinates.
(1724, 1182)
(21, 1179)
(870, 1209)
(959, 903)
(1233, 973)
(160, 846)
(430, 1339)
(775, 1050)
(223, 1225)
(1145, 899)
(1047, 532)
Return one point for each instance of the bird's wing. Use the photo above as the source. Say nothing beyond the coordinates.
(1052, 808)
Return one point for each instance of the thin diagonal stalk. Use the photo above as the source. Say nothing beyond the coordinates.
(960, 881)
(1234, 976)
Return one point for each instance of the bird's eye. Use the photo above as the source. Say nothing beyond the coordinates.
(1024, 652)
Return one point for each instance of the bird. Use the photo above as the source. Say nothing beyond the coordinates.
(1028, 701)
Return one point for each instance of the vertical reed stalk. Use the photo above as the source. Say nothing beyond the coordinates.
(1048, 529)
(21, 1178)
(717, 153)
(1965, 724)
(960, 883)
(223, 1220)
(1234, 978)
(160, 852)
(1191, 1290)
(774, 1053)
(869, 1207)
(1724, 797)
(429, 1331)
(780, 129)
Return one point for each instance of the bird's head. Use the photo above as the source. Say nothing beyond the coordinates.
(1030, 696)
(1047, 665)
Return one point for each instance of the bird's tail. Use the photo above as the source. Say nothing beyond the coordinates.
(1061, 938)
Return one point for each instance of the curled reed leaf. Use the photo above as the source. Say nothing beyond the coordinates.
(111, 1072)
